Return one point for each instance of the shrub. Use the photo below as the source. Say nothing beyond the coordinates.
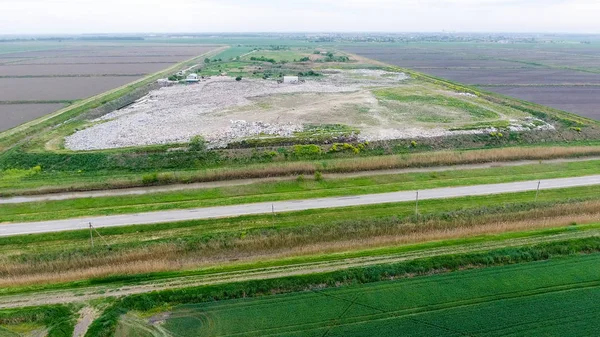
(239, 78)
(300, 178)
(342, 147)
(165, 178)
(318, 176)
(150, 179)
(413, 144)
(310, 150)
(198, 144)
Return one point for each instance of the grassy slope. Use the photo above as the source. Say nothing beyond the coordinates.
(289, 190)
(89, 171)
(128, 235)
(552, 298)
(69, 245)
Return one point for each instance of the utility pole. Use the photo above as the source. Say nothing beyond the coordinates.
(91, 235)
(92, 230)
(537, 192)
(417, 205)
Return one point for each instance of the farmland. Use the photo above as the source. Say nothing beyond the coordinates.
(66, 72)
(536, 72)
(17, 114)
(194, 126)
(553, 298)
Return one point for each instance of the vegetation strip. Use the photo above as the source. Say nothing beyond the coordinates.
(166, 246)
(296, 264)
(27, 173)
(290, 190)
(106, 324)
(330, 177)
(58, 319)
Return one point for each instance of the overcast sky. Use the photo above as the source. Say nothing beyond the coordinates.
(128, 16)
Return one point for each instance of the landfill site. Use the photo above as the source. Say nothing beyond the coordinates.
(223, 110)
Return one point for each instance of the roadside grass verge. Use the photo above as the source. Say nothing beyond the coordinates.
(289, 190)
(186, 246)
(106, 324)
(53, 181)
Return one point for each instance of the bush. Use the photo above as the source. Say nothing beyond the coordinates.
(165, 178)
(310, 150)
(413, 144)
(300, 178)
(343, 147)
(150, 179)
(198, 144)
(318, 176)
(239, 78)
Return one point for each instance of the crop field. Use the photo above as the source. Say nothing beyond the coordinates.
(539, 72)
(39, 73)
(83, 69)
(554, 298)
(16, 114)
(58, 88)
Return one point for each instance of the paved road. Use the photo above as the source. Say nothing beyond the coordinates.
(287, 206)
(240, 182)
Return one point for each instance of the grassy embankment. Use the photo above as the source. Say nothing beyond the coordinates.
(309, 235)
(96, 171)
(289, 190)
(56, 320)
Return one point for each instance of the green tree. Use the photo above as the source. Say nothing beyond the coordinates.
(198, 144)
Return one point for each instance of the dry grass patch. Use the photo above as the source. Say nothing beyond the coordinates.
(281, 244)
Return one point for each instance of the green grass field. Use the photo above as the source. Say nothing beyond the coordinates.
(290, 190)
(551, 298)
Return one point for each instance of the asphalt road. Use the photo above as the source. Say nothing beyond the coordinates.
(287, 206)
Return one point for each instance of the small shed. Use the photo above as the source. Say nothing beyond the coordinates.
(192, 78)
(290, 79)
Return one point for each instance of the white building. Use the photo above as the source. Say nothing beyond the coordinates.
(192, 78)
(290, 79)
